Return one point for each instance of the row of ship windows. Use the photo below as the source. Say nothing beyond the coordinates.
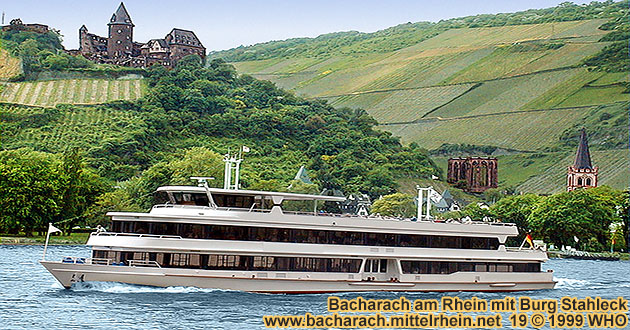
(445, 267)
(236, 262)
(307, 264)
(246, 233)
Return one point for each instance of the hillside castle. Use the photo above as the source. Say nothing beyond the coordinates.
(120, 49)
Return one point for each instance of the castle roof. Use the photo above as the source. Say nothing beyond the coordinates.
(121, 16)
(161, 42)
(183, 37)
(583, 156)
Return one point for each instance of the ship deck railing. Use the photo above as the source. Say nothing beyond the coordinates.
(524, 249)
(143, 263)
(325, 214)
(109, 262)
(106, 233)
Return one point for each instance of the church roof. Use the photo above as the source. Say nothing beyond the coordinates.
(121, 16)
(583, 156)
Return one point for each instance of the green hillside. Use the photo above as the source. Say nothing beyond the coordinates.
(523, 85)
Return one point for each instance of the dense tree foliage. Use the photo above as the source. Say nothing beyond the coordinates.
(396, 205)
(37, 188)
(339, 146)
(585, 214)
(405, 35)
(40, 51)
(192, 115)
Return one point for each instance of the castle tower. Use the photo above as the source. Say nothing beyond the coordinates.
(120, 39)
(582, 174)
(84, 42)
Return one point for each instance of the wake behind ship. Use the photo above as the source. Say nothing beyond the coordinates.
(245, 240)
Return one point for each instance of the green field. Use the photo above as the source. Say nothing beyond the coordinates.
(71, 91)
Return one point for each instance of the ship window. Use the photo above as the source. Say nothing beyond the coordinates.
(480, 268)
(246, 233)
(375, 265)
(141, 227)
(383, 266)
(199, 199)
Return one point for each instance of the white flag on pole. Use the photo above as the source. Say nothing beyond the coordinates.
(245, 149)
(53, 229)
(435, 196)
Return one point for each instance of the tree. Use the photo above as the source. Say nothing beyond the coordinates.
(28, 190)
(397, 204)
(516, 209)
(586, 214)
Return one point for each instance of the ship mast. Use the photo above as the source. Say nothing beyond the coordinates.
(232, 166)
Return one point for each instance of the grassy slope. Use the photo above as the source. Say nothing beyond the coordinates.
(428, 85)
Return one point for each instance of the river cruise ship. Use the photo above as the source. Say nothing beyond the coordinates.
(244, 240)
(255, 241)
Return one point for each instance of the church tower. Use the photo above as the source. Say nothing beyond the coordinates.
(582, 174)
(120, 39)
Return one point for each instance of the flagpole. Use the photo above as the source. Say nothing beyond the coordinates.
(51, 229)
(46, 244)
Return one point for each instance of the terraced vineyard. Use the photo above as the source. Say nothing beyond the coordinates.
(405, 105)
(82, 126)
(518, 87)
(520, 131)
(71, 91)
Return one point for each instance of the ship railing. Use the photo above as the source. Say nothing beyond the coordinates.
(528, 249)
(143, 263)
(106, 233)
(239, 209)
(101, 261)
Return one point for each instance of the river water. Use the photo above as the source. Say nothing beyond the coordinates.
(30, 298)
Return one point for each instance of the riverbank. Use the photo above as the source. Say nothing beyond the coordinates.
(72, 239)
(601, 255)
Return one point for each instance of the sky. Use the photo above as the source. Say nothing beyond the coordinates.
(225, 24)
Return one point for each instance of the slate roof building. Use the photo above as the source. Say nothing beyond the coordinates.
(120, 49)
(582, 174)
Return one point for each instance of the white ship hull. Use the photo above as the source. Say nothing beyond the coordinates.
(294, 282)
